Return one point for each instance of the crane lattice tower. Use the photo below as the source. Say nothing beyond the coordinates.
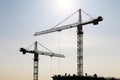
(36, 58)
(79, 26)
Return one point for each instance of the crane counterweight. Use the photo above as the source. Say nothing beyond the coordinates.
(23, 50)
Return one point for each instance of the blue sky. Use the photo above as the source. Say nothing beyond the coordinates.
(20, 19)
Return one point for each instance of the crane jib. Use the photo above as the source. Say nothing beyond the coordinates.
(94, 21)
(56, 29)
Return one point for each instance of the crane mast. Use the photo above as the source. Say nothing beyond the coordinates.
(35, 63)
(79, 26)
(36, 58)
(79, 46)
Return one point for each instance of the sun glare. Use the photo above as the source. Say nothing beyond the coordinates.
(65, 4)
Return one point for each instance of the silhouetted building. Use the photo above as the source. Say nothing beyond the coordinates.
(75, 77)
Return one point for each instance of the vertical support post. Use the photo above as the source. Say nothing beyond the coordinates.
(79, 46)
(36, 60)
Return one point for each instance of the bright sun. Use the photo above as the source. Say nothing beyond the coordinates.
(65, 4)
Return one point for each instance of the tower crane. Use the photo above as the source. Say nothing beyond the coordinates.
(36, 56)
(79, 26)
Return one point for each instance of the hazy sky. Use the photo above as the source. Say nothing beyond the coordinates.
(20, 19)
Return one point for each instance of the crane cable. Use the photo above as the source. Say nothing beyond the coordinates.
(71, 16)
(65, 19)
(87, 14)
(59, 51)
(51, 63)
(30, 46)
(45, 47)
(40, 45)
